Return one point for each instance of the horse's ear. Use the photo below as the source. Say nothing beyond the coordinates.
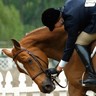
(8, 53)
(16, 44)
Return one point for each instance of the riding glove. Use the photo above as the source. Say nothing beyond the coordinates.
(53, 71)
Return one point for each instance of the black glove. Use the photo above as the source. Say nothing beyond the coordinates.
(53, 71)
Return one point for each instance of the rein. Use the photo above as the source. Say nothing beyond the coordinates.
(53, 78)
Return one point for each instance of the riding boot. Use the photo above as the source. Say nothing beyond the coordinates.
(85, 57)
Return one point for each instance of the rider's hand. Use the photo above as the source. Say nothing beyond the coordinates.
(53, 71)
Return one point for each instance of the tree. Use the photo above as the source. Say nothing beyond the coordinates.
(17, 17)
(31, 10)
(10, 24)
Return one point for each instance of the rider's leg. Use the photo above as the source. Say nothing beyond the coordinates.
(82, 43)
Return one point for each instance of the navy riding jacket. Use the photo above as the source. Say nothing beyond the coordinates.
(77, 18)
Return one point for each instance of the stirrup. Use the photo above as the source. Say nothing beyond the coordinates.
(83, 84)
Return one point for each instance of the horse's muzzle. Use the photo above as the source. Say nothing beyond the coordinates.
(47, 86)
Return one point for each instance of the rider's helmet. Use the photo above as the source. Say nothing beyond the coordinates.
(50, 17)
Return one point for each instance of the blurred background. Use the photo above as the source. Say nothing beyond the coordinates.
(18, 17)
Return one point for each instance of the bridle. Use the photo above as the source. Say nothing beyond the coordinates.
(36, 58)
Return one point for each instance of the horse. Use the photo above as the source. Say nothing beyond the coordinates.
(31, 55)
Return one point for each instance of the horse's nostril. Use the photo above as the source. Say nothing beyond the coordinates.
(48, 88)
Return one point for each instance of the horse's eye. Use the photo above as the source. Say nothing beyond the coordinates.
(30, 61)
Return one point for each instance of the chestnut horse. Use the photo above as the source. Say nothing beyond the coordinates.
(31, 57)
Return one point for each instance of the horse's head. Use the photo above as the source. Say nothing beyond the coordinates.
(32, 62)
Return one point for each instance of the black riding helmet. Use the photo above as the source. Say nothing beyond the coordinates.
(50, 17)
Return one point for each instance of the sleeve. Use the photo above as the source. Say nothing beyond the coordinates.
(71, 26)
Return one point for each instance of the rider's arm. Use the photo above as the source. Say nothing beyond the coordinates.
(71, 24)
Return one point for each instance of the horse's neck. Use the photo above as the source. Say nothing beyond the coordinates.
(51, 43)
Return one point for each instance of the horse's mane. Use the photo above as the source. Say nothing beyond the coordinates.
(43, 34)
(35, 31)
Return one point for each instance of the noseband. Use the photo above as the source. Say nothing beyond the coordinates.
(35, 58)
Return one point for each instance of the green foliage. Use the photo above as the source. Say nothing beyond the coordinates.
(10, 24)
(17, 17)
(31, 10)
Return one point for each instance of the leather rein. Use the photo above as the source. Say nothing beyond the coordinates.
(36, 58)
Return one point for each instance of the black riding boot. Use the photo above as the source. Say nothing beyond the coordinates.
(85, 57)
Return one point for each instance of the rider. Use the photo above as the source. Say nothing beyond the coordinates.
(79, 19)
